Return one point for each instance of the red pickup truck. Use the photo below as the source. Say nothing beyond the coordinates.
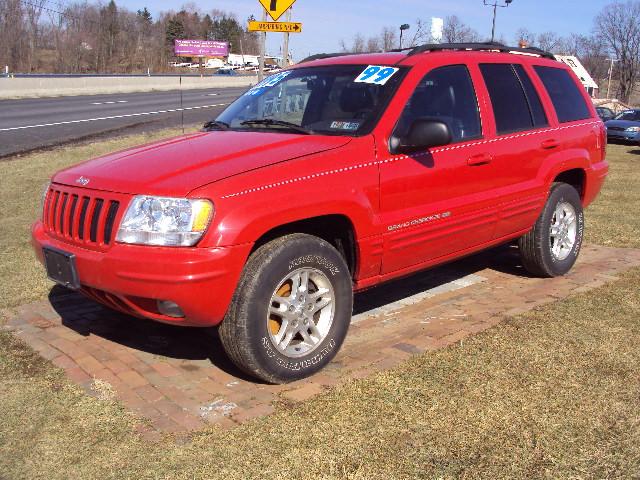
(335, 175)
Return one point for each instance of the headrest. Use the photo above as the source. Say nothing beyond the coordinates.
(355, 98)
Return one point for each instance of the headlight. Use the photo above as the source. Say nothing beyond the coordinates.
(633, 129)
(43, 197)
(177, 222)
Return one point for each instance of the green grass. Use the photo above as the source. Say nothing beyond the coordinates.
(550, 394)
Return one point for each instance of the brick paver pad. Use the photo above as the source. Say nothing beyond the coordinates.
(179, 378)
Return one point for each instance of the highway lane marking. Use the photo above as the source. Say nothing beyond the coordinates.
(212, 94)
(109, 102)
(129, 115)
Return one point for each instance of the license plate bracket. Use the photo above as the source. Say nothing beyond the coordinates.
(61, 267)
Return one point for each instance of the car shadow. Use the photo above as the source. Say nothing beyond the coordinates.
(634, 152)
(87, 318)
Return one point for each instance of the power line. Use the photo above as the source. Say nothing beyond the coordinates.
(62, 14)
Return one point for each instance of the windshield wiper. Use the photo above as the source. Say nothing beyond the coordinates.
(267, 122)
(216, 125)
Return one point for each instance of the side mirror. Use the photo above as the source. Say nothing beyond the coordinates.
(423, 134)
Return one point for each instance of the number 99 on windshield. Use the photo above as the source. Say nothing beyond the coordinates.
(376, 75)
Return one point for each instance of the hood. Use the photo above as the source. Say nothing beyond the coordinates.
(177, 166)
(622, 123)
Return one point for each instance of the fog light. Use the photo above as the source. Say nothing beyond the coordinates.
(170, 309)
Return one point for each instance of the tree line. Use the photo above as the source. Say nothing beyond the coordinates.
(46, 36)
(615, 35)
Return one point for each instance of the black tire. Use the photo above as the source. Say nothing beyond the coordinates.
(244, 330)
(536, 246)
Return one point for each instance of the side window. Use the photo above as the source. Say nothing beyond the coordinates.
(565, 94)
(445, 94)
(538, 115)
(510, 103)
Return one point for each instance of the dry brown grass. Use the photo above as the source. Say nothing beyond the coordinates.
(23, 180)
(551, 394)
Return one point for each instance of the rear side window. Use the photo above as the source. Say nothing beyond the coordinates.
(565, 94)
(516, 104)
(535, 105)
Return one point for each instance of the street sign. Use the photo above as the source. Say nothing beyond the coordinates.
(283, 27)
(275, 8)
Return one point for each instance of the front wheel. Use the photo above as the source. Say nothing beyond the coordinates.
(552, 246)
(291, 310)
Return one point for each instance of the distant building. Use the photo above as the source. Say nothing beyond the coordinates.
(237, 60)
(589, 84)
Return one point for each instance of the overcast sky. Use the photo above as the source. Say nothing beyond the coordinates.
(325, 22)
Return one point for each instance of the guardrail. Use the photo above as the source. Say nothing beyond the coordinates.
(53, 85)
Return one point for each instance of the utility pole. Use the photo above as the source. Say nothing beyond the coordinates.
(285, 47)
(263, 49)
(495, 6)
(610, 75)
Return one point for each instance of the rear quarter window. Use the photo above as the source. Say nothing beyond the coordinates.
(565, 94)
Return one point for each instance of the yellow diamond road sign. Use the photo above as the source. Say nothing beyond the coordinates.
(275, 8)
(284, 27)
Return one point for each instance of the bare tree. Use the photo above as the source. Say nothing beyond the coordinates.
(618, 26)
(373, 44)
(549, 41)
(456, 31)
(388, 39)
(33, 12)
(525, 35)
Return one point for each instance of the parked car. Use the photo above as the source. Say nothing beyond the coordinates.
(226, 71)
(625, 127)
(605, 113)
(330, 177)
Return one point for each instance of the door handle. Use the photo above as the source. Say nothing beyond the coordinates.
(481, 159)
(549, 144)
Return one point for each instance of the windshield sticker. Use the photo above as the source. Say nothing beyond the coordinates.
(345, 125)
(376, 75)
(268, 82)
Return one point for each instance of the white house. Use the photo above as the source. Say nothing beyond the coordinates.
(588, 82)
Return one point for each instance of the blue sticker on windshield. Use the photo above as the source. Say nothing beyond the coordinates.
(376, 75)
(268, 82)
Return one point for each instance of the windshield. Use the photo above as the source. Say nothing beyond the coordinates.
(632, 115)
(333, 100)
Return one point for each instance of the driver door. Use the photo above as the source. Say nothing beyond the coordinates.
(438, 202)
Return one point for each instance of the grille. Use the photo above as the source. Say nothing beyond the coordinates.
(617, 129)
(80, 216)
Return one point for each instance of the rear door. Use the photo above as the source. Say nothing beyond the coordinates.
(520, 144)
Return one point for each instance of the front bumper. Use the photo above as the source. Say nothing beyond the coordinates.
(131, 278)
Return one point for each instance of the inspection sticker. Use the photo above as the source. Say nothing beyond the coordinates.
(345, 125)
(268, 82)
(376, 75)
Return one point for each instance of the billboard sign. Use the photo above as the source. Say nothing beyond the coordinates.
(200, 48)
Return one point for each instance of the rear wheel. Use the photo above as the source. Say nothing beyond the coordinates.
(291, 310)
(552, 246)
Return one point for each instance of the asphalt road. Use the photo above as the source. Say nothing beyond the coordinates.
(31, 124)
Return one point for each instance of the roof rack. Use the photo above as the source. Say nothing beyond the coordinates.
(320, 56)
(483, 46)
(438, 47)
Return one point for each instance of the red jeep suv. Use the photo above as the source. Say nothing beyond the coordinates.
(335, 175)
